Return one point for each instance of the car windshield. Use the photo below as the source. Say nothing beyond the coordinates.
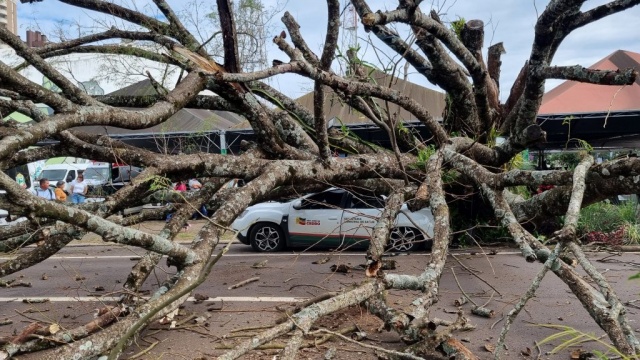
(100, 174)
(56, 175)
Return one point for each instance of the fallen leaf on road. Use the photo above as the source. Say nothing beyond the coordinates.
(490, 348)
(200, 298)
(54, 328)
(526, 352)
(322, 261)
(260, 264)
(576, 354)
(342, 268)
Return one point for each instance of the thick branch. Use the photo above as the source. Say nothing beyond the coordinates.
(600, 77)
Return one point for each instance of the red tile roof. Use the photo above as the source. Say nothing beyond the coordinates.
(576, 97)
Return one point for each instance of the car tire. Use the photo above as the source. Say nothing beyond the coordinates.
(405, 239)
(266, 237)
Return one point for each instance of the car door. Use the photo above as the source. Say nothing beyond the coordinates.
(359, 218)
(316, 221)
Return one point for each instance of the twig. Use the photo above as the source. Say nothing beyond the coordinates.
(488, 301)
(316, 286)
(325, 338)
(525, 297)
(476, 275)
(484, 253)
(397, 354)
(460, 287)
(32, 318)
(497, 321)
(149, 348)
(13, 283)
(251, 328)
(539, 350)
(32, 310)
(244, 282)
(186, 320)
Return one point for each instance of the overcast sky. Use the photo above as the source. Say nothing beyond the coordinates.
(507, 21)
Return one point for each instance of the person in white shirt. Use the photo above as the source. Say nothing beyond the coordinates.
(78, 190)
(194, 184)
(43, 191)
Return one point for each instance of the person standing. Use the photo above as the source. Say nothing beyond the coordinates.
(43, 191)
(194, 184)
(180, 186)
(78, 190)
(21, 181)
(60, 194)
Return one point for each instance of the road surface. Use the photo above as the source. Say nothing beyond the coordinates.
(81, 279)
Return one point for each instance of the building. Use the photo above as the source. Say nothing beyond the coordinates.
(9, 15)
(36, 39)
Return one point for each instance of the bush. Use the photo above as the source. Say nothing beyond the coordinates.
(609, 223)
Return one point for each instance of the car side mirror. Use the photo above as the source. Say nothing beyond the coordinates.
(297, 204)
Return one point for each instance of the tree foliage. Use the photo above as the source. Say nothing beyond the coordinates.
(293, 151)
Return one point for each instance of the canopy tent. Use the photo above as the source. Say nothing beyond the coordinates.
(222, 132)
(186, 130)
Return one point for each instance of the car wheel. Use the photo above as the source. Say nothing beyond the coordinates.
(267, 237)
(404, 239)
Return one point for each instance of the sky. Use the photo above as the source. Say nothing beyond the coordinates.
(508, 21)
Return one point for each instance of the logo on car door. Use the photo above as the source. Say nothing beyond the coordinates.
(303, 221)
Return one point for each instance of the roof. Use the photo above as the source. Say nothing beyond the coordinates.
(575, 97)
(185, 120)
(433, 101)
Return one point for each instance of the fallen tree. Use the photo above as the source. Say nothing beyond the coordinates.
(293, 154)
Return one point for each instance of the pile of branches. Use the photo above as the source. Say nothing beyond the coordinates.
(293, 154)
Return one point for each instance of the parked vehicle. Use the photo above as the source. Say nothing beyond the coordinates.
(106, 178)
(334, 218)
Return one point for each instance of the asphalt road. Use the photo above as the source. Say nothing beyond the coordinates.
(80, 279)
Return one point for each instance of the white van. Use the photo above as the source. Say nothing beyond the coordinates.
(64, 172)
(107, 178)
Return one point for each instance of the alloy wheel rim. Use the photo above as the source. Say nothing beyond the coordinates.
(267, 239)
(402, 239)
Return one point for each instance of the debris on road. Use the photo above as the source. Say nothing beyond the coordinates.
(244, 282)
(324, 260)
(260, 264)
(342, 268)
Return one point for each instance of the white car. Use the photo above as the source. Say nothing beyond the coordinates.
(334, 218)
